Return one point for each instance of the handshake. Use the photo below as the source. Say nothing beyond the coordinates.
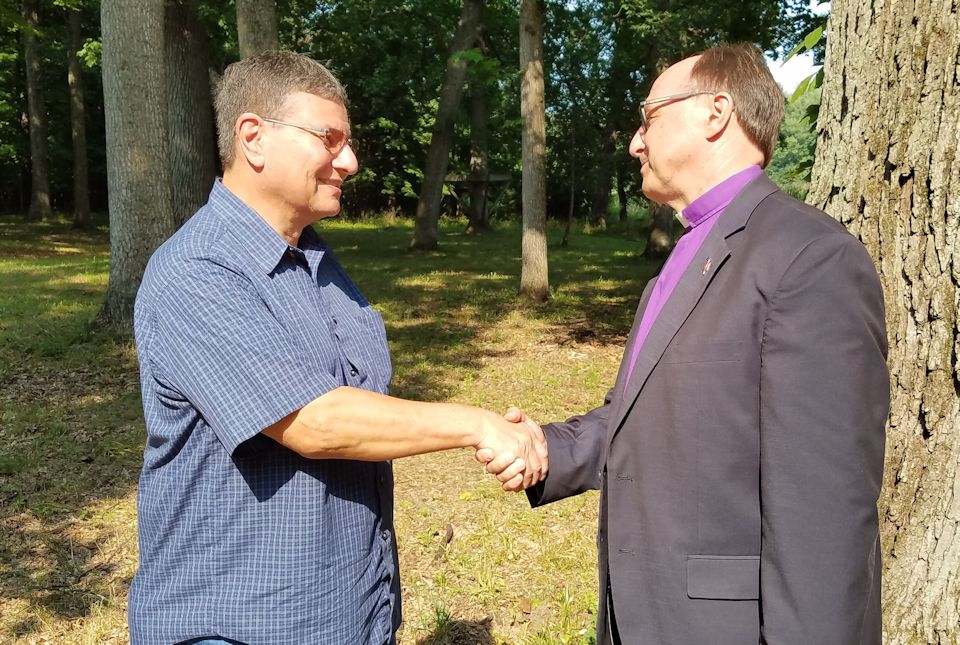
(514, 450)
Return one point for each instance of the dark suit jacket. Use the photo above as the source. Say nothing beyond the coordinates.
(741, 465)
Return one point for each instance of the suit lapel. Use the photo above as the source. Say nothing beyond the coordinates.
(675, 311)
(689, 290)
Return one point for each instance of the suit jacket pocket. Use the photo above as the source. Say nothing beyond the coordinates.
(723, 577)
(720, 351)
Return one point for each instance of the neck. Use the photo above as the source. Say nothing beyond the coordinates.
(718, 164)
(279, 216)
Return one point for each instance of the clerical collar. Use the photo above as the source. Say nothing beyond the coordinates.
(704, 207)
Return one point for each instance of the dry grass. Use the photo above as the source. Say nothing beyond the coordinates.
(478, 565)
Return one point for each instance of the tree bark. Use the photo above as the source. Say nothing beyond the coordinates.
(78, 126)
(888, 167)
(138, 161)
(37, 111)
(534, 280)
(257, 27)
(479, 161)
(660, 238)
(189, 110)
(438, 156)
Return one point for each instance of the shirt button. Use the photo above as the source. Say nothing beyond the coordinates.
(385, 535)
(353, 371)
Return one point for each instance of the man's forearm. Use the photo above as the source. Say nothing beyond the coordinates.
(350, 423)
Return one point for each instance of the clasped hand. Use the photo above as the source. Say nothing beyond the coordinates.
(514, 450)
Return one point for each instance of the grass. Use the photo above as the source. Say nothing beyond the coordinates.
(477, 565)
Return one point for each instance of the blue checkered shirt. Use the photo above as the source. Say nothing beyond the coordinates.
(240, 537)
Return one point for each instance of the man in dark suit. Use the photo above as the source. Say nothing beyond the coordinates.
(740, 453)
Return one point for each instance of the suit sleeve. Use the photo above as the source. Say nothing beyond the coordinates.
(824, 398)
(576, 449)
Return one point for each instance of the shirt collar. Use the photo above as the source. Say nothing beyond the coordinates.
(719, 197)
(264, 245)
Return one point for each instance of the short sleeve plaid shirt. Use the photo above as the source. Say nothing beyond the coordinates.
(240, 537)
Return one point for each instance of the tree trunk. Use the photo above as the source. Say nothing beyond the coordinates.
(78, 126)
(189, 110)
(888, 167)
(660, 238)
(438, 156)
(534, 281)
(37, 110)
(622, 192)
(138, 162)
(479, 162)
(573, 180)
(257, 27)
(601, 189)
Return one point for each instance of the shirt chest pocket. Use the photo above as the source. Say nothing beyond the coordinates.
(362, 348)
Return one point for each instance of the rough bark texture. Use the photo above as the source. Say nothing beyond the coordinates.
(138, 163)
(189, 110)
(438, 155)
(660, 238)
(37, 112)
(534, 281)
(78, 126)
(887, 166)
(479, 161)
(257, 27)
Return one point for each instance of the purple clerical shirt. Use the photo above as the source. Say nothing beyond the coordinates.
(701, 215)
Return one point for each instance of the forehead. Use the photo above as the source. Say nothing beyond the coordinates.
(675, 79)
(307, 108)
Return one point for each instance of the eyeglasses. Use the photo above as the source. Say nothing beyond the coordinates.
(333, 139)
(645, 120)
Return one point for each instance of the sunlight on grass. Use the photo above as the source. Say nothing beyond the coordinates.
(477, 564)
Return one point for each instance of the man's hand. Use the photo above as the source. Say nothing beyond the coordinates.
(517, 471)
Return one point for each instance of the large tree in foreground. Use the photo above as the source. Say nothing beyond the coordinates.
(138, 165)
(888, 166)
(534, 282)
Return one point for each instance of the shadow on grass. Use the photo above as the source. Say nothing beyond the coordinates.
(460, 632)
(71, 427)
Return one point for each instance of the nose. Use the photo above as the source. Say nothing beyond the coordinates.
(637, 145)
(346, 162)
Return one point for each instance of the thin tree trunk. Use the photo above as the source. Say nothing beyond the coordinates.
(660, 238)
(438, 156)
(37, 110)
(257, 27)
(78, 127)
(601, 189)
(573, 180)
(138, 161)
(189, 110)
(621, 192)
(888, 167)
(479, 162)
(534, 280)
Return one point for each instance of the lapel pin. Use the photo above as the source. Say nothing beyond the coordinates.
(706, 266)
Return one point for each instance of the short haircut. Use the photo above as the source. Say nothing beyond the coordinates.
(758, 101)
(261, 84)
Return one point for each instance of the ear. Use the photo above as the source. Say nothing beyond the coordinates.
(248, 133)
(721, 113)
